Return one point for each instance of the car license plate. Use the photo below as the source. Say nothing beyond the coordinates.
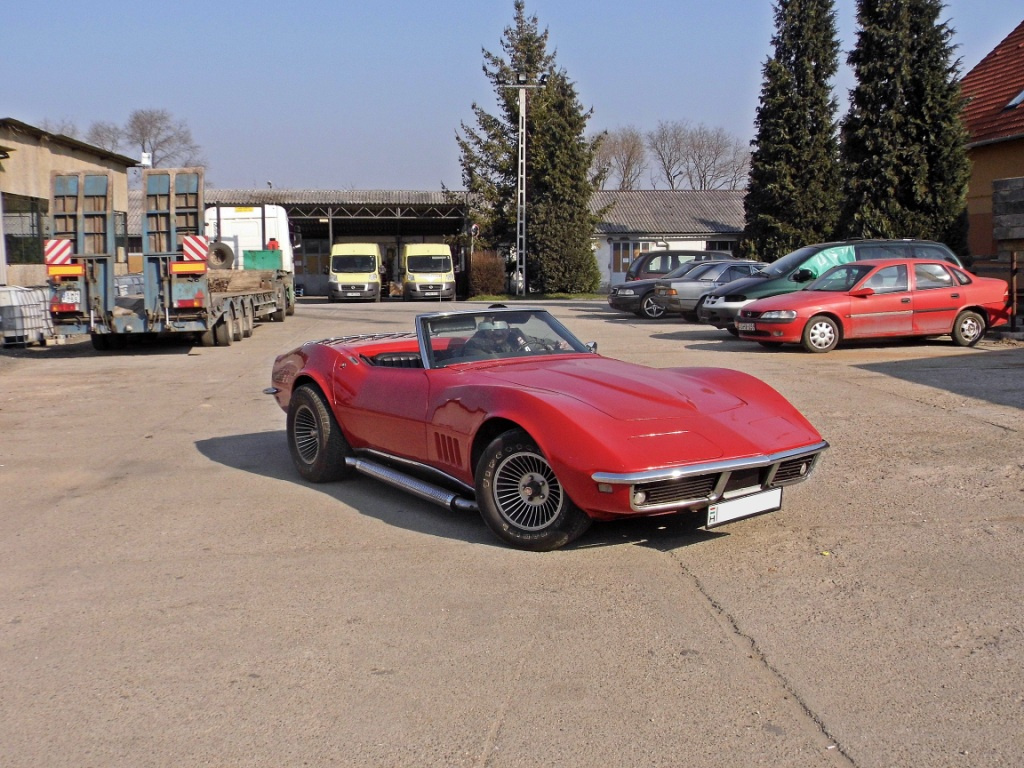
(70, 297)
(745, 327)
(745, 506)
(431, 293)
(352, 293)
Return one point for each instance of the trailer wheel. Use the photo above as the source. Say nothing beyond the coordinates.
(222, 333)
(236, 326)
(278, 314)
(247, 321)
(206, 339)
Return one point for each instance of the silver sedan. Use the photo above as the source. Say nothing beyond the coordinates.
(680, 295)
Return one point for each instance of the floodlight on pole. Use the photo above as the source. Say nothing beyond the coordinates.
(522, 84)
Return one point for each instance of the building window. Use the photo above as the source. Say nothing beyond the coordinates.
(721, 245)
(624, 253)
(23, 229)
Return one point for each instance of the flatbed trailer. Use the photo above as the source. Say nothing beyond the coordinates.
(182, 290)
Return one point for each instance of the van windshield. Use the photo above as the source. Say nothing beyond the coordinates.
(353, 263)
(429, 264)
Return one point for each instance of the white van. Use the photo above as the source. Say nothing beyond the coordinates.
(354, 272)
(426, 272)
(233, 230)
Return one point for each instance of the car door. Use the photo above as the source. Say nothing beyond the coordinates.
(937, 299)
(887, 312)
(388, 409)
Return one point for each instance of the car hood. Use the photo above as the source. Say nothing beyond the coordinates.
(740, 286)
(618, 389)
(799, 300)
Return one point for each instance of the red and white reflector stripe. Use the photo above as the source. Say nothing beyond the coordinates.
(57, 252)
(194, 247)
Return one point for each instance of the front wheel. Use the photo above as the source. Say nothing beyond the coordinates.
(318, 447)
(521, 499)
(649, 309)
(821, 334)
(968, 328)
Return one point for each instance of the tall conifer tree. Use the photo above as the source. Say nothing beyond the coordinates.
(793, 195)
(904, 152)
(558, 163)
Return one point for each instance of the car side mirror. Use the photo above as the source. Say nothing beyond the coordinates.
(592, 346)
(803, 276)
(862, 293)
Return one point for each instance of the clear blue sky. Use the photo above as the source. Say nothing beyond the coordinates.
(335, 94)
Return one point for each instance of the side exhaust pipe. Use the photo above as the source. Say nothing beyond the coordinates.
(424, 490)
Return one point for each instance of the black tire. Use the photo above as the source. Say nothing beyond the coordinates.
(520, 497)
(316, 443)
(237, 325)
(968, 329)
(278, 314)
(206, 339)
(821, 334)
(649, 309)
(732, 329)
(248, 323)
(222, 333)
(220, 256)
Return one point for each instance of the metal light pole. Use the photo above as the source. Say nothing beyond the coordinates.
(522, 84)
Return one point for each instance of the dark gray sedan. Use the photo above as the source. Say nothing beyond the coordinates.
(680, 295)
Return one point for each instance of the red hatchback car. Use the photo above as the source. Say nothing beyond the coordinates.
(879, 299)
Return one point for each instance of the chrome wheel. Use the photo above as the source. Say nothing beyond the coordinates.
(649, 308)
(306, 434)
(526, 491)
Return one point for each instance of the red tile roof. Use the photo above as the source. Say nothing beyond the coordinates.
(996, 81)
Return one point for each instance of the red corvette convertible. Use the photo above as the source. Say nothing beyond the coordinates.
(506, 412)
(879, 299)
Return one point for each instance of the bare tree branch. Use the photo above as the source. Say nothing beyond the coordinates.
(168, 141)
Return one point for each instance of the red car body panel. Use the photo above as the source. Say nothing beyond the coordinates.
(589, 414)
(911, 312)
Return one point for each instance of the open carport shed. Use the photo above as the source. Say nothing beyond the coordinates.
(322, 217)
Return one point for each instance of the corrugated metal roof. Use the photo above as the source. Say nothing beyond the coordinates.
(287, 197)
(650, 212)
(991, 86)
(670, 211)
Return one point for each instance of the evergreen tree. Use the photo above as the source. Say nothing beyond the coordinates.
(793, 196)
(904, 150)
(559, 222)
(558, 162)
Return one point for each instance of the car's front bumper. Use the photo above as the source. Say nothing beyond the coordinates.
(698, 486)
(720, 313)
(624, 303)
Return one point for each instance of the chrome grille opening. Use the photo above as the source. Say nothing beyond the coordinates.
(683, 490)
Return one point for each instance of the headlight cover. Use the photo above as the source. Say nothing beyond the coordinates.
(778, 316)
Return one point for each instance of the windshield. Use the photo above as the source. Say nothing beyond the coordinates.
(353, 263)
(429, 264)
(789, 262)
(684, 269)
(840, 279)
(462, 337)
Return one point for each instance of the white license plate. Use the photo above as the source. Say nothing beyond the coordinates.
(70, 297)
(745, 327)
(352, 293)
(745, 506)
(431, 293)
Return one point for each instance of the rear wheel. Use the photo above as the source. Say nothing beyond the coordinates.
(968, 328)
(222, 332)
(315, 440)
(821, 334)
(521, 499)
